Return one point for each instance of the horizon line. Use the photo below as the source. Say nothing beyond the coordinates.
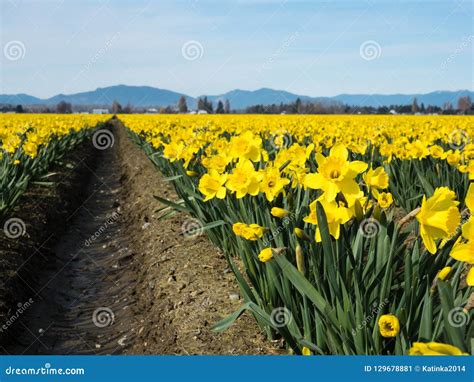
(243, 90)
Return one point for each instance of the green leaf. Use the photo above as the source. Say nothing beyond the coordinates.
(177, 206)
(452, 330)
(229, 320)
(170, 178)
(426, 324)
(305, 288)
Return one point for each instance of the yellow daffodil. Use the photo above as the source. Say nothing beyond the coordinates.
(211, 185)
(434, 348)
(248, 231)
(417, 149)
(336, 174)
(444, 273)
(385, 199)
(470, 277)
(470, 197)
(300, 234)
(470, 168)
(246, 146)
(389, 325)
(306, 351)
(272, 183)
(437, 151)
(265, 255)
(216, 162)
(173, 151)
(244, 180)
(439, 217)
(336, 214)
(453, 157)
(377, 178)
(279, 212)
(464, 251)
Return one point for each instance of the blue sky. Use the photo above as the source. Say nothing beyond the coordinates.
(318, 48)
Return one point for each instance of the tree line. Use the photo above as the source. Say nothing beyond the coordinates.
(463, 106)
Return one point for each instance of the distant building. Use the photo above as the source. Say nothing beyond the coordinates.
(202, 112)
(100, 111)
(151, 111)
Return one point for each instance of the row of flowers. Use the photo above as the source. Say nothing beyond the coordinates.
(327, 223)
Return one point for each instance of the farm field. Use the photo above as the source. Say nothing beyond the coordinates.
(237, 234)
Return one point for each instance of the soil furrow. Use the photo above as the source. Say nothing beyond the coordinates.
(121, 279)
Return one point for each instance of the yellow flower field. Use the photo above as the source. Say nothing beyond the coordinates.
(29, 143)
(353, 234)
(347, 223)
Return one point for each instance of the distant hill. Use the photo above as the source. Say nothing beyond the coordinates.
(240, 99)
(437, 98)
(146, 96)
(135, 95)
(23, 99)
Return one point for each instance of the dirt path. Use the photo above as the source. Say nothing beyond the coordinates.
(122, 280)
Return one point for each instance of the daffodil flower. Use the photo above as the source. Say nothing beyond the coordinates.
(434, 348)
(336, 175)
(211, 185)
(439, 217)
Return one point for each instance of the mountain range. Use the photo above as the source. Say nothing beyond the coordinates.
(147, 96)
